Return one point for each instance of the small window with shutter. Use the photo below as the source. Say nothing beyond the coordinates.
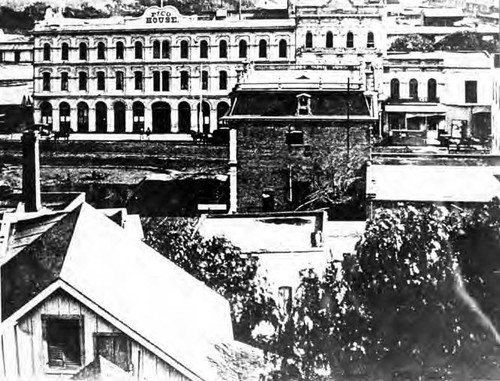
(64, 338)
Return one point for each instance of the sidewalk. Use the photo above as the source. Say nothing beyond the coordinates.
(113, 137)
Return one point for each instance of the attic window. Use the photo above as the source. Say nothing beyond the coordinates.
(303, 104)
(64, 337)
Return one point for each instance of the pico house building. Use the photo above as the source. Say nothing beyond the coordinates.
(162, 72)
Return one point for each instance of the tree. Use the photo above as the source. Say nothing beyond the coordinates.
(465, 41)
(400, 304)
(221, 266)
(412, 43)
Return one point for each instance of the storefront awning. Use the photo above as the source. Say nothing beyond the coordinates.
(423, 108)
(424, 115)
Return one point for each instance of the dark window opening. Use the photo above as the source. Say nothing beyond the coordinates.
(46, 52)
(17, 57)
(471, 91)
(64, 81)
(262, 49)
(413, 89)
(294, 138)
(119, 80)
(115, 348)
(46, 81)
(138, 117)
(101, 81)
(204, 80)
(283, 49)
(370, 41)
(184, 49)
(82, 81)
(120, 49)
(156, 49)
(184, 80)
(223, 80)
(203, 49)
(243, 49)
(329, 40)
(223, 49)
(432, 90)
(156, 81)
(101, 51)
(165, 81)
(309, 40)
(138, 80)
(64, 51)
(83, 51)
(394, 88)
(350, 40)
(64, 341)
(165, 49)
(138, 50)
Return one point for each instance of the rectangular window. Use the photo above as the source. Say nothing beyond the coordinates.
(17, 57)
(46, 81)
(470, 91)
(184, 80)
(138, 80)
(223, 80)
(82, 81)
(119, 80)
(64, 81)
(115, 348)
(156, 81)
(101, 81)
(204, 80)
(165, 81)
(64, 337)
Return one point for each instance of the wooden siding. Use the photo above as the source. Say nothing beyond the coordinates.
(23, 350)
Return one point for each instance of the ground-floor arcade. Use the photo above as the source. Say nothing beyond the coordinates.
(156, 116)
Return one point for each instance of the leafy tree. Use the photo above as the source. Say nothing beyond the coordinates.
(412, 43)
(399, 304)
(221, 266)
(465, 41)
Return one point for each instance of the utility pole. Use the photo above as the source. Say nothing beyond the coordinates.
(348, 123)
(200, 107)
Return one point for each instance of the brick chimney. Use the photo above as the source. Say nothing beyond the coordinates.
(31, 172)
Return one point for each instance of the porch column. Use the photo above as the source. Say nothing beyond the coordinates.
(174, 119)
(129, 119)
(92, 119)
(213, 120)
(233, 178)
(111, 120)
(73, 119)
(148, 118)
(55, 119)
(194, 120)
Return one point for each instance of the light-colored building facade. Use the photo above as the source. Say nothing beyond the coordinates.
(148, 73)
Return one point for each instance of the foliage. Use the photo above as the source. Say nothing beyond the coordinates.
(465, 40)
(412, 43)
(221, 266)
(398, 305)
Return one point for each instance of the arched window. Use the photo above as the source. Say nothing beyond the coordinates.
(309, 40)
(156, 49)
(156, 81)
(138, 117)
(83, 51)
(83, 117)
(82, 81)
(101, 51)
(120, 80)
(120, 49)
(46, 114)
(64, 81)
(46, 81)
(64, 117)
(184, 80)
(432, 90)
(283, 49)
(223, 80)
(64, 51)
(223, 49)
(349, 40)
(165, 81)
(101, 117)
(138, 80)
(165, 49)
(262, 49)
(413, 89)
(46, 52)
(138, 50)
(243, 47)
(203, 49)
(394, 88)
(370, 40)
(184, 49)
(329, 40)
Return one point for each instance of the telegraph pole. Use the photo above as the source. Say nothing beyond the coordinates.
(348, 123)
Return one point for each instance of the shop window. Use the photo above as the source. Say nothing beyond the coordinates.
(64, 337)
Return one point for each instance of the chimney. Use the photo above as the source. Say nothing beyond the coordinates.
(31, 172)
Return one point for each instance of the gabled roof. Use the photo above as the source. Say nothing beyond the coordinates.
(135, 285)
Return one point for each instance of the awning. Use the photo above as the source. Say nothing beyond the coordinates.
(481, 109)
(423, 108)
(424, 115)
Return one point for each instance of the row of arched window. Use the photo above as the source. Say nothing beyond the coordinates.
(162, 50)
(161, 80)
(349, 42)
(161, 116)
(413, 91)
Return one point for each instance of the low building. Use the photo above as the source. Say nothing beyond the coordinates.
(285, 118)
(436, 94)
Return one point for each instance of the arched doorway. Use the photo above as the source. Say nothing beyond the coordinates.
(101, 117)
(222, 109)
(46, 114)
(161, 117)
(184, 110)
(138, 116)
(432, 90)
(64, 117)
(83, 117)
(119, 110)
(205, 122)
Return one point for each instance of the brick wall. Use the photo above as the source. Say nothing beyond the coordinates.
(265, 161)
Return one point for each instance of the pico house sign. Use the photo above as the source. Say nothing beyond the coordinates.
(165, 15)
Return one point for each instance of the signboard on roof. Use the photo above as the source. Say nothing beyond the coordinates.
(165, 15)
